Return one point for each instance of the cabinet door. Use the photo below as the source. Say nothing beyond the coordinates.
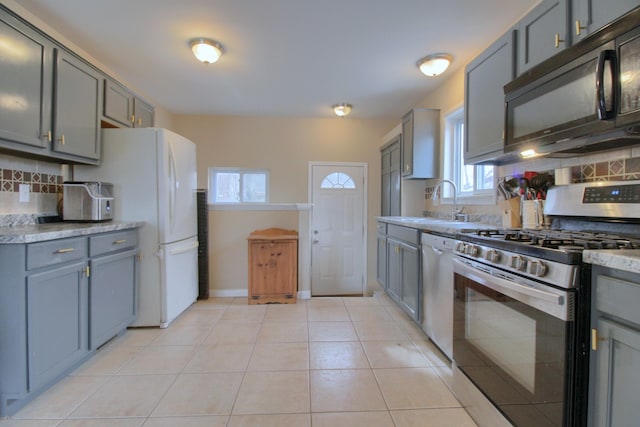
(112, 300)
(591, 15)
(118, 103)
(407, 144)
(484, 99)
(382, 260)
(76, 109)
(411, 289)
(385, 192)
(394, 180)
(542, 33)
(26, 72)
(273, 267)
(56, 322)
(394, 269)
(617, 379)
(143, 113)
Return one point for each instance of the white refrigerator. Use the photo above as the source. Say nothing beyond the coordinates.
(153, 172)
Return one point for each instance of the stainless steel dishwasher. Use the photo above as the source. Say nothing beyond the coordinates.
(437, 282)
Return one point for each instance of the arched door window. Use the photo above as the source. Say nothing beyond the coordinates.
(337, 180)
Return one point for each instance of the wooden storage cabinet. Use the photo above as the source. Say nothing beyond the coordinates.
(273, 266)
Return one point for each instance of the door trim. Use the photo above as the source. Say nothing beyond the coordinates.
(365, 205)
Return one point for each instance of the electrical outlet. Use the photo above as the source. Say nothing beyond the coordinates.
(25, 190)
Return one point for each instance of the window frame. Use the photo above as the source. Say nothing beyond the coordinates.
(454, 145)
(212, 180)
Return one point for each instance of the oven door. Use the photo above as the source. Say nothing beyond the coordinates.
(513, 339)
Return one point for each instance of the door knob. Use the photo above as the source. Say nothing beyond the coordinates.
(315, 242)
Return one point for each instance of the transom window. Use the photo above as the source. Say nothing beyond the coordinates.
(471, 180)
(237, 185)
(337, 180)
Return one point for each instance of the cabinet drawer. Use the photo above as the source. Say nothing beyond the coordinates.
(55, 252)
(407, 234)
(111, 242)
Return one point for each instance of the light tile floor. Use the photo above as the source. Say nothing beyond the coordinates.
(324, 362)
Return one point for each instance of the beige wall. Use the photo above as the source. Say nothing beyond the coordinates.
(285, 146)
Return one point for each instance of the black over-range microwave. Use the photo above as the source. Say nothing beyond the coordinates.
(583, 99)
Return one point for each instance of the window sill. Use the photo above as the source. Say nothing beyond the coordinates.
(260, 207)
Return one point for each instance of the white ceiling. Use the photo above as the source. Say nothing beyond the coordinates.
(282, 57)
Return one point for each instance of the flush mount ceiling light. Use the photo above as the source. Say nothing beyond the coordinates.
(206, 50)
(433, 65)
(342, 110)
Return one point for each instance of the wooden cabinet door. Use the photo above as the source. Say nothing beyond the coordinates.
(56, 322)
(76, 109)
(112, 301)
(617, 378)
(539, 31)
(484, 99)
(26, 71)
(143, 113)
(273, 269)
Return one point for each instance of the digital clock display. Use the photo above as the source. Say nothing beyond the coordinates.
(612, 194)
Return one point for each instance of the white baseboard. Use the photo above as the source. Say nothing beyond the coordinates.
(304, 294)
(228, 293)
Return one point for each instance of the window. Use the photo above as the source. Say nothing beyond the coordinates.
(234, 185)
(337, 180)
(471, 180)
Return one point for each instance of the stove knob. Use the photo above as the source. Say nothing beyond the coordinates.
(472, 250)
(492, 255)
(537, 268)
(517, 262)
(460, 247)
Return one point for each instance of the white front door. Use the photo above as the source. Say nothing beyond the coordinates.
(337, 225)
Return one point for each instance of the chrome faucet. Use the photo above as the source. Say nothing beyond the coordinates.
(456, 214)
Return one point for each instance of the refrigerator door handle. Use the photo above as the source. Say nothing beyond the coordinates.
(189, 248)
(173, 184)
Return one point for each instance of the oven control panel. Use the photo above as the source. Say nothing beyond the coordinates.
(612, 194)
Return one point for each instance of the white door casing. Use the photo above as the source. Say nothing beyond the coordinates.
(338, 249)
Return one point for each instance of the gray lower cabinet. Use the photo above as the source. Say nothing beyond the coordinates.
(485, 78)
(60, 300)
(404, 279)
(56, 322)
(542, 33)
(381, 272)
(112, 284)
(615, 355)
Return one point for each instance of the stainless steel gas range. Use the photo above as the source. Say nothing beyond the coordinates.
(522, 307)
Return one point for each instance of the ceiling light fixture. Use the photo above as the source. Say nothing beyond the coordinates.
(342, 110)
(206, 50)
(435, 64)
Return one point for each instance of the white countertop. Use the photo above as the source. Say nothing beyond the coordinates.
(59, 230)
(440, 226)
(619, 259)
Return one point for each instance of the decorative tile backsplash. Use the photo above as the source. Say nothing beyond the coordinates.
(612, 170)
(10, 180)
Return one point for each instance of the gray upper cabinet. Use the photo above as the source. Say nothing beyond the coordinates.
(124, 108)
(420, 143)
(542, 33)
(118, 103)
(77, 103)
(485, 77)
(588, 16)
(26, 68)
(390, 156)
(143, 114)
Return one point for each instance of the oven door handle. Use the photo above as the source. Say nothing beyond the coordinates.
(514, 290)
